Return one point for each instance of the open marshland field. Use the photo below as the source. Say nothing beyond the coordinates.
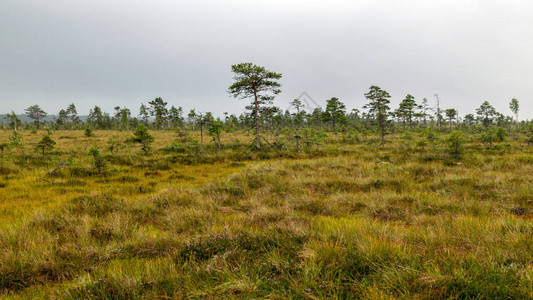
(343, 218)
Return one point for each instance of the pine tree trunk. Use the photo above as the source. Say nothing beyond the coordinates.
(257, 141)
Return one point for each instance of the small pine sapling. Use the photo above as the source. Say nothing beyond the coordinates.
(88, 132)
(46, 143)
(456, 144)
(489, 136)
(142, 137)
(100, 164)
(17, 141)
(501, 134)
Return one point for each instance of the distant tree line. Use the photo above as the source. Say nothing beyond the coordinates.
(260, 86)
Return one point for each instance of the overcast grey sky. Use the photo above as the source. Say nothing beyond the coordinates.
(109, 53)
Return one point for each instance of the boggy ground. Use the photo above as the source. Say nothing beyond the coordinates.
(349, 221)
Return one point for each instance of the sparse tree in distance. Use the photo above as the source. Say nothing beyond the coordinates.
(298, 117)
(96, 118)
(451, 114)
(36, 113)
(407, 108)
(379, 108)
(438, 114)
(62, 117)
(117, 117)
(144, 114)
(514, 105)
(13, 121)
(252, 81)
(469, 119)
(214, 131)
(72, 113)
(191, 117)
(125, 115)
(158, 109)
(424, 110)
(175, 117)
(486, 114)
(335, 112)
(298, 120)
(201, 119)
